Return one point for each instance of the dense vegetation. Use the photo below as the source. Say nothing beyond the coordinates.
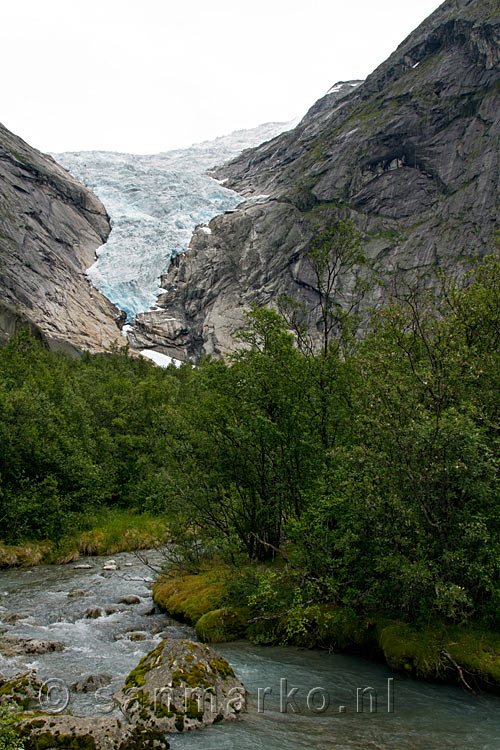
(367, 465)
(9, 737)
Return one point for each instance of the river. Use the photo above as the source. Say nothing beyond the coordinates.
(324, 713)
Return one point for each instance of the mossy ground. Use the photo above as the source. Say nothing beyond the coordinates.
(189, 596)
(423, 653)
(113, 532)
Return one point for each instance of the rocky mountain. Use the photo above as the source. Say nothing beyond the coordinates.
(412, 155)
(50, 227)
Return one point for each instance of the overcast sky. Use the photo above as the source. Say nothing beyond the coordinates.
(151, 75)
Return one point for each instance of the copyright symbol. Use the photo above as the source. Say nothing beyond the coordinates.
(54, 696)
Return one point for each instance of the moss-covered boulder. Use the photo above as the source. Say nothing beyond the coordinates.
(22, 690)
(222, 625)
(181, 685)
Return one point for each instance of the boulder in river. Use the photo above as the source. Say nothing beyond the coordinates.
(93, 613)
(91, 683)
(130, 600)
(11, 645)
(78, 593)
(181, 685)
(23, 689)
(138, 635)
(133, 635)
(9, 618)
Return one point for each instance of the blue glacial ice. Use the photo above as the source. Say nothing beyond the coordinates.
(154, 203)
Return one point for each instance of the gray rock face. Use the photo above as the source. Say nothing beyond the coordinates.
(50, 227)
(412, 155)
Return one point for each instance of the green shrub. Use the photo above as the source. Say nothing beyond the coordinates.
(9, 737)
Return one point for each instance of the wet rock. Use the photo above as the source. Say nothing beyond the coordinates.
(129, 600)
(42, 647)
(91, 683)
(88, 733)
(132, 635)
(93, 613)
(111, 610)
(77, 593)
(138, 635)
(142, 738)
(9, 618)
(14, 646)
(181, 685)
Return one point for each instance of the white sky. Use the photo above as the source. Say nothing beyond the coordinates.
(150, 75)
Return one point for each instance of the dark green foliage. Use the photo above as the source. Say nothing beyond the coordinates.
(75, 436)
(369, 464)
(407, 516)
(9, 737)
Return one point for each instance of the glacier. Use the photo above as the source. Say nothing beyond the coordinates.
(154, 203)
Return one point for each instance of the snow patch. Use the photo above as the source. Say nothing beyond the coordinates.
(341, 85)
(160, 359)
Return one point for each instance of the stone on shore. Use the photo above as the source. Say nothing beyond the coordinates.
(88, 733)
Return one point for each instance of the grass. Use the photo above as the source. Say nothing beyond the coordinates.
(112, 532)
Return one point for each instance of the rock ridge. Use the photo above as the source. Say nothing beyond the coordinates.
(50, 228)
(411, 155)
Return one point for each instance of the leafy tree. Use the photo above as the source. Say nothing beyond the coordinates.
(247, 449)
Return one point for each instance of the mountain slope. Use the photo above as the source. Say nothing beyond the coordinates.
(50, 227)
(412, 155)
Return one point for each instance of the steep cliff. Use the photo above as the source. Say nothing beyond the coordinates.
(50, 227)
(412, 155)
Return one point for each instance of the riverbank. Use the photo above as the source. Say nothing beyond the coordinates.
(467, 656)
(112, 532)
